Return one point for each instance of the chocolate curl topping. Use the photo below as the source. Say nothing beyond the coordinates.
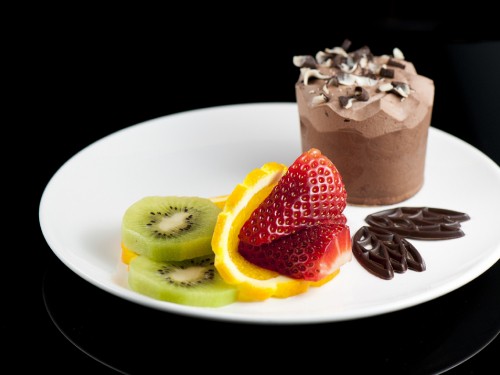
(363, 51)
(361, 94)
(401, 88)
(333, 81)
(346, 44)
(305, 61)
(396, 64)
(338, 60)
(345, 101)
(387, 73)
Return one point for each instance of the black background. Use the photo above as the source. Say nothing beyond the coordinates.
(84, 74)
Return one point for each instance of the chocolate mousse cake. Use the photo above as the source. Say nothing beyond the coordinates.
(370, 115)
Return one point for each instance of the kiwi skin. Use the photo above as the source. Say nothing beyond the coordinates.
(194, 222)
(161, 281)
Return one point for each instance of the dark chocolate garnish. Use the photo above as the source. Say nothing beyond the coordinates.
(396, 64)
(363, 51)
(421, 223)
(382, 252)
(361, 94)
(368, 73)
(387, 73)
(338, 60)
(344, 101)
(346, 44)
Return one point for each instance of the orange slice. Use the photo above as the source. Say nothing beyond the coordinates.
(127, 254)
(219, 200)
(254, 283)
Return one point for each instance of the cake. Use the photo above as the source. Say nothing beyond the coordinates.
(370, 115)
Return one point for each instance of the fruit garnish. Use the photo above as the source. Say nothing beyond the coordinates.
(170, 228)
(127, 254)
(219, 200)
(193, 282)
(311, 253)
(254, 283)
(309, 193)
(294, 214)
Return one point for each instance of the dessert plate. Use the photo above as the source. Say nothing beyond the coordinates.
(206, 152)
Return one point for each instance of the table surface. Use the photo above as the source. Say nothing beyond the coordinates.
(101, 88)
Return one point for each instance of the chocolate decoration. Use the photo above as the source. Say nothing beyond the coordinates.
(387, 73)
(334, 81)
(344, 101)
(305, 61)
(396, 64)
(363, 51)
(382, 252)
(346, 44)
(361, 94)
(421, 223)
(401, 88)
(339, 60)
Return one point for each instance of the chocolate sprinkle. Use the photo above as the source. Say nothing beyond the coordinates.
(396, 64)
(387, 73)
(382, 252)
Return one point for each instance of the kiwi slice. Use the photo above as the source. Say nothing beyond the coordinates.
(170, 228)
(193, 282)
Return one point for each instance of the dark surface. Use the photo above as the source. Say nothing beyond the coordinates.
(91, 80)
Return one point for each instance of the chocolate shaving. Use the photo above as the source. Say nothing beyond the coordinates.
(382, 252)
(368, 73)
(305, 61)
(321, 57)
(363, 51)
(387, 73)
(346, 44)
(396, 64)
(361, 94)
(319, 99)
(385, 87)
(396, 52)
(333, 81)
(421, 223)
(401, 88)
(349, 66)
(345, 101)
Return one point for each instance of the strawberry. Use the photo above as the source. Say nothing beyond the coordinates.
(310, 192)
(311, 253)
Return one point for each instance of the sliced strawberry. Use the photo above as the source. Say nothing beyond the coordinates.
(311, 253)
(309, 193)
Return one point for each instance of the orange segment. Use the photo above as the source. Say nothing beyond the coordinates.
(254, 283)
(127, 254)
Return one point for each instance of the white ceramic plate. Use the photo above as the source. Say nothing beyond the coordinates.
(206, 152)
